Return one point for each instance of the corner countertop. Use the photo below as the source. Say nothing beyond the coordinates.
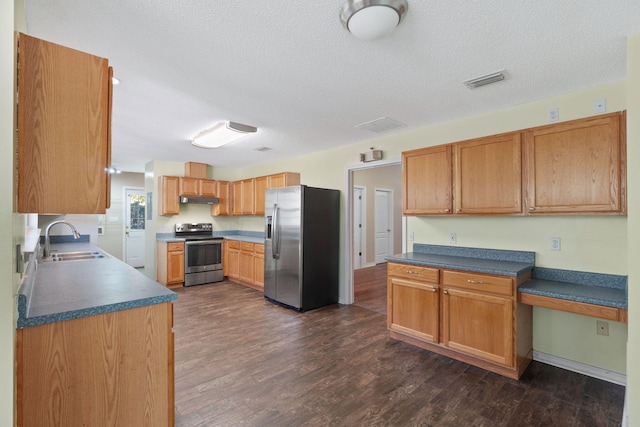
(56, 291)
(490, 261)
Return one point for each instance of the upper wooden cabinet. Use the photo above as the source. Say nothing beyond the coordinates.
(283, 179)
(223, 194)
(577, 166)
(64, 129)
(197, 187)
(426, 181)
(168, 197)
(260, 188)
(488, 175)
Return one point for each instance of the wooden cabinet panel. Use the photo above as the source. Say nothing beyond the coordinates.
(488, 175)
(223, 194)
(195, 170)
(236, 198)
(479, 282)
(168, 197)
(207, 188)
(188, 186)
(260, 188)
(246, 263)
(576, 167)
(426, 181)
(64, 119)
(258, 266)
(414, 308)
(233, 260)
(283, 179)
(414, 272)
(170, 263)
(114, 368)
(479, 325)
(247, 196)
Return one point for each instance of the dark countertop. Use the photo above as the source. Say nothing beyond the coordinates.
(56, 291)
(477, 265)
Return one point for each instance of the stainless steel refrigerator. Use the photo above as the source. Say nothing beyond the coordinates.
(301, 249)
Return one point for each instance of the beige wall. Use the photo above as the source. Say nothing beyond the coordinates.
(388, 177)
(113, 220)
(633, 180)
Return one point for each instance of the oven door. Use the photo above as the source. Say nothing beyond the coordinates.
(202, 255)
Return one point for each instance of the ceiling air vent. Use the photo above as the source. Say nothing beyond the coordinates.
(485, 80)
(262, 149)
(380, 125)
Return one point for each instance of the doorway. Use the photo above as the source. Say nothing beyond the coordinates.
(383, 217)
(134, 225)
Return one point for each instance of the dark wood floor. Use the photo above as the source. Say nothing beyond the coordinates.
(370, 288)
(243, 361)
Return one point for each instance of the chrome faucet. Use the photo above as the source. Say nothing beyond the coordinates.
(47, 250)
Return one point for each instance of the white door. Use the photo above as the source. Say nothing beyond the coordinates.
(358, 227)
(382, 219)
(135, 215)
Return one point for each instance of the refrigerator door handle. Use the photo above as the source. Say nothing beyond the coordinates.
(275, 245)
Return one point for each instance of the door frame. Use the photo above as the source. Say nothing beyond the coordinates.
(390, 218)
(363, 232)
(124, 220)
(347, 296)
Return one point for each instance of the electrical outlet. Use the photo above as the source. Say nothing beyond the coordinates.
(554, 243)
(453, 239)
(600, 105)
(602, 328)
(554, 114)
(411, 236)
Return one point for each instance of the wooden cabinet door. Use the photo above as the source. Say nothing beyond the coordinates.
(258, 266)
(414, 308)
(426, 181)
(63, 119)
(576, 167)
(488, 175)
(478, 324)
(175, 266)
(207, 188)
(247, 196)
(246, 263)
(189, 186)
(283, 179)
(222, 193)
(169, 189)
(236, 198)
(260, 188)
(233, 261)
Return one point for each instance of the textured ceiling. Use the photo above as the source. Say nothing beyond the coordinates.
(291, 69)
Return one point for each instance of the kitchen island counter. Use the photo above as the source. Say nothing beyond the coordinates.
(57, 291)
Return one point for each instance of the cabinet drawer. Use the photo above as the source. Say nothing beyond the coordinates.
(478, 282)
(234, 244)
(175, 246)
(409, 271)
(246, 246)
(259, 249)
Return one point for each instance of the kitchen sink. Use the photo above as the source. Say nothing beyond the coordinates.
(73, 256)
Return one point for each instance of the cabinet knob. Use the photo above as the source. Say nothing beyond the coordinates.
(447, 210)
(434, 290)
(532, 209)
(411, 272)
(446, 293)
(476, 282)
(458, 210)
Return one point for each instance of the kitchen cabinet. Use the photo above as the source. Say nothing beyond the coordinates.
(195, 170)
(223, 193)
(427, 181)
(197, 187)
(261, 184)
(577, 167)
(64, 129)
(247, 270)
(283, 179)
(488, 175)
(114, 368)
(471, 317)
(232, 263)
(247, 195)
(258, 266)
(170, 263)
(414, 301)
(168, 197)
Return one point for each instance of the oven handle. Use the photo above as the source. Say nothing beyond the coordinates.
(202, 242)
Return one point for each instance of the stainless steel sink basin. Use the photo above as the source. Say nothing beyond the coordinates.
(73, 256)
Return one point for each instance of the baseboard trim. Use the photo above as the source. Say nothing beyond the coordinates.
(581, 368)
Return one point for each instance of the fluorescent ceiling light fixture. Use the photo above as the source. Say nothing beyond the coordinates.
(370, 19)
(222, 133)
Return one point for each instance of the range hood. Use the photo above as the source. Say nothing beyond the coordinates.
(200, 200)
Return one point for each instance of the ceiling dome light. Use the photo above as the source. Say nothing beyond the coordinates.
(370, 19)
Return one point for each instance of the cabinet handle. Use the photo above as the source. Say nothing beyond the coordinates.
(476, 282)
(411, 272)
(447, 210)
(531, 209)
(458, 210)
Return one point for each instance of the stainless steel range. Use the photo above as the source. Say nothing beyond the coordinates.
(202, 254)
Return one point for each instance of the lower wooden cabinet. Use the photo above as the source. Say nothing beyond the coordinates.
(170, 263)
(109, 369)
(468, 316)
(244, 263)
